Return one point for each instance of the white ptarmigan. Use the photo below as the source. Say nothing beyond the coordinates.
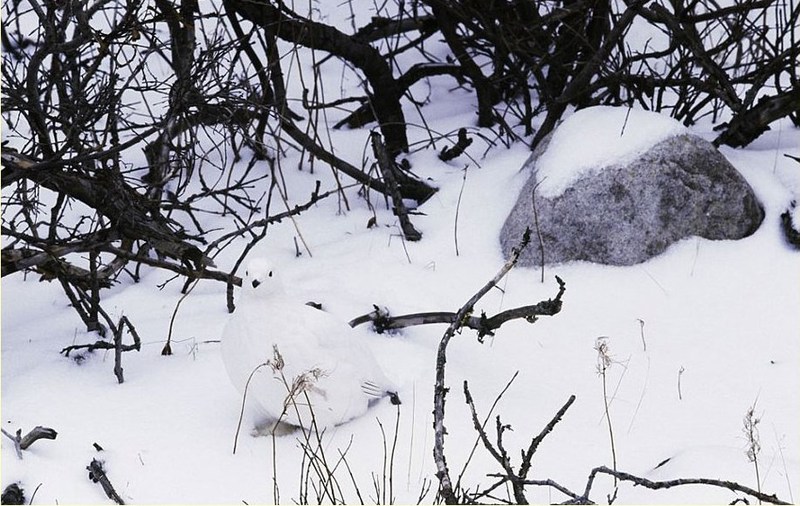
(315, 364)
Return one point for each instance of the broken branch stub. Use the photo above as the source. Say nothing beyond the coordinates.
(98, 475)
(391, 178)
(24, 442)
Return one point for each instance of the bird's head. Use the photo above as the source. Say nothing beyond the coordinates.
(261, 279)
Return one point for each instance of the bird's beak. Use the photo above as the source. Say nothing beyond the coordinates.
(256, 283)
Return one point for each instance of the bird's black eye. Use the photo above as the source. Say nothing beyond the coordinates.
(270, 274)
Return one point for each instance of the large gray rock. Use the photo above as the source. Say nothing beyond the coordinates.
(623, 215)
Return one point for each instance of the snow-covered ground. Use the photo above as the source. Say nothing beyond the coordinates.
(698, 336)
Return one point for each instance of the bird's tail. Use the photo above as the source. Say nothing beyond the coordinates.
(377, 392)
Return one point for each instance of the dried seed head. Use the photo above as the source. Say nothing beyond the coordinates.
(277, 363)
(603, 354)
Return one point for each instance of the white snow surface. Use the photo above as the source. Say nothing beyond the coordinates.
(598, 137)
(697, 336)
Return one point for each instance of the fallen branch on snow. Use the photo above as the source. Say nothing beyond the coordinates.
(655, 485)
(383, 321)
(105, 345)
(388, 168)
(22, 443)
(98, 475)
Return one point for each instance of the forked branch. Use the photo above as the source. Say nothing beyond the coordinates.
(516, 478)
(446, 489)
(24, 442)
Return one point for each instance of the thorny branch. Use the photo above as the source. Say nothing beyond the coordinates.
(390, 172)
(446, 489)
(382, 321)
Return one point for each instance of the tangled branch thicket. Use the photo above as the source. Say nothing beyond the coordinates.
(128, 124)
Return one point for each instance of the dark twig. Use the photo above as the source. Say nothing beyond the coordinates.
(517, 479)
(33, 495)
(412, 188)
(388, 169)
(656, 485)
(499, 454)
(749, 124)
(457, 149)
(119, 347)
(458, 209)
(98, 475)
(167, 349)
(37, 433)
(105, 345)
(244, 398)
(526, 456)
(550, 483)
(485, 421)
(118, 355)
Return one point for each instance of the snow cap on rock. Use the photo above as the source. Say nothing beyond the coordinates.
(597, 137)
